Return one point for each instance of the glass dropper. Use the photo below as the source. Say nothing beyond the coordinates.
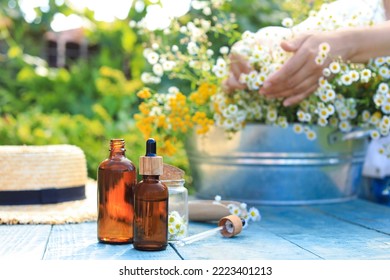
(228, 227)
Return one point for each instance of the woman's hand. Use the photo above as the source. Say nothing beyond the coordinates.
(238, 66)
(298, 77)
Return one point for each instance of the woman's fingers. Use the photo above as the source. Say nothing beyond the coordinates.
(283, 79)
(309, 83)
(231, 84)
(295, 99)
(238, 66)
(300, 82)
(294, 44)
(298, 74)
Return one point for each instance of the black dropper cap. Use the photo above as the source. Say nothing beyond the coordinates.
(151, 148)
(151, 164)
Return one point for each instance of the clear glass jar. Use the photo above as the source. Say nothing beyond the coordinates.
(177, 209)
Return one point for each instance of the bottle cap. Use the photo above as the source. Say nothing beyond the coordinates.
(232, 225)
(151, 164)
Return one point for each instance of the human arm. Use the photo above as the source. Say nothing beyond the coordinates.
(298, 78)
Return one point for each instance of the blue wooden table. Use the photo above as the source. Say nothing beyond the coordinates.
(352, 230)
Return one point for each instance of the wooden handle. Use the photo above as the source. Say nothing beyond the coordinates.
(208, 210)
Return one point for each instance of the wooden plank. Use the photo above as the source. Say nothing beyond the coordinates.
(79, 242)
(326, 236)
(367, 214)
(23, 241)
(254, 242)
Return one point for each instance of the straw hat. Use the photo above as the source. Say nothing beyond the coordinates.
(45, 185)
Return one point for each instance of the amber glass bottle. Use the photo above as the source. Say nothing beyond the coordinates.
(117, 177)
(150, 203)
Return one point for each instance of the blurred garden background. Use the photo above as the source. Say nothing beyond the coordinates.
(70, 70)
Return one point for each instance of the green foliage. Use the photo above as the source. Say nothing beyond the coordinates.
(299, 9)
(252, 15)
(35, 128)
(91, 101)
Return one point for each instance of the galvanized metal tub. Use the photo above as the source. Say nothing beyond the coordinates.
(271, 165)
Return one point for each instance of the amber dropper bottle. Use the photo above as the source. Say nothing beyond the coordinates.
(150, 203)
(117, 177)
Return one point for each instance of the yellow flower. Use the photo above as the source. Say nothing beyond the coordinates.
(144, 93)
(179, 117)
(203, 122)
(144, 109)
(168, 147)
(202, 96)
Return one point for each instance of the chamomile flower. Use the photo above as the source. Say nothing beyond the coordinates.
(168, 65)
(243, 206)
(311, 135)
(175, 48)
(386, 108)
(319, 60)
(322, 122)
(375, 134)
(224, 50)
(301, 115)
(346, 79)
(383, 88)
(343, 114)
(254, 214)
(209, 52)
(158, 69)
(330, 109)
(272, 115)
(334, 67)
(366, 115)
(365, 75)
(330, 94)
(220, 71)
(192, 48)
(385, 121)
(234, 209)
(298, 128)
(146, 77)
(326, 72)
(324, 47)
(206, 11)
(323, 113)
(379, 61)
(282, 122)
(379, 99)
(287, 22)
(345, 126)
(152, 57)
(322, 82)
(174, 218)
(375, 118)
(231, 110)
(354, 75)
(384, 72)
(307, 117)
(228, 124)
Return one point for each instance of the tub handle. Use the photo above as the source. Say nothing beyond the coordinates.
(353, 135)
(358, 134)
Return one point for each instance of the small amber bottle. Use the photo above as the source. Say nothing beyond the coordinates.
(117, 177)
(150, 203)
